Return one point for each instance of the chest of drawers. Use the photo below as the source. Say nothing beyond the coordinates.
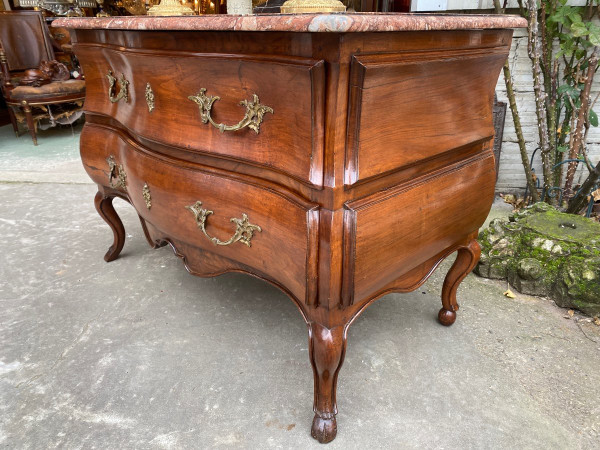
(339, 157)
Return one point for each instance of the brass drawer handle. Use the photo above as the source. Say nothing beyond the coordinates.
(244, 230)
(123, 88)
(252, 119)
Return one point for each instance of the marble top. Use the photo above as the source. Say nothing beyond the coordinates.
(313, 23)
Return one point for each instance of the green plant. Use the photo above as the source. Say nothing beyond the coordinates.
(563, 47)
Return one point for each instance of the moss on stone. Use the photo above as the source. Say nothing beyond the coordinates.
(542, 251)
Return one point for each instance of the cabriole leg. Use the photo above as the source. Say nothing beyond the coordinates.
(466, 259)
(104, 206)
(326, 350)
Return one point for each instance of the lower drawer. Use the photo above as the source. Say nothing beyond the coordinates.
(391, 232)
(270, 232)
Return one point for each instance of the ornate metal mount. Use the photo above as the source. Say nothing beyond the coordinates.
(170, 8)
(123, 88)
(312, 6)
(244, 230)
(116, 171)
(252, 119)
(147, 196)
(149, 97)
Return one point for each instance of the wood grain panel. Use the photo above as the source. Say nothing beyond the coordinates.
(290, 139)
(413, 106)
(391, 232)
(286, 249)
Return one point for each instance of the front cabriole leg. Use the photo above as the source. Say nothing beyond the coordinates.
(103, 202)
(466, 259)
(326, 350)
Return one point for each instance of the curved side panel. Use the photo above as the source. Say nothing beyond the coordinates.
(435, 101)
(390, 233)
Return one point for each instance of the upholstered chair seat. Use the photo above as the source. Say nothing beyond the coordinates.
(27, 59)
(49, 90)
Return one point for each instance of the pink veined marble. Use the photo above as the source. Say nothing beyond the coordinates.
(312, 23)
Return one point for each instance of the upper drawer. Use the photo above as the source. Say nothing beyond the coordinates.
(412, 106)
(290, 139)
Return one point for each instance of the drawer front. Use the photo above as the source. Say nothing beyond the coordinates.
(392, 232)
(290, 134)
(412, 106)
(270, 232)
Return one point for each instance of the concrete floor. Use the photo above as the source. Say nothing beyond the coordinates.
(140, 354)
(54, 160)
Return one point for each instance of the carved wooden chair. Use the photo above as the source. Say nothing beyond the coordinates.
(24, 43)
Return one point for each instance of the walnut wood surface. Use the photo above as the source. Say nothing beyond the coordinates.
(290, 140)
(103, 202)
(466, 259)
(375, 165)
(400, 79)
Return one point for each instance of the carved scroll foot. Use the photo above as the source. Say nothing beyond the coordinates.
(446, 317)
(466, 259)
(324, 430)
(106, 210)
(326, 350)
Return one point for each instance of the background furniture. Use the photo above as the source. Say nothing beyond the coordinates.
(339, 157)
(24, 43)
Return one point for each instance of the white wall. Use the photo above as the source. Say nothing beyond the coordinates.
(482, 4)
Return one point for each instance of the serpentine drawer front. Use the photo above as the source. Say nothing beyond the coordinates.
(171, 197)
(338, 157)
(285, 132)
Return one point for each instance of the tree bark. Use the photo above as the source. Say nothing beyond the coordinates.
(578, 202)
(582, 117)
(535, 52)
(510, 93)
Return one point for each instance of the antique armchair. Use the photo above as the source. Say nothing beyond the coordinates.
(24, 44)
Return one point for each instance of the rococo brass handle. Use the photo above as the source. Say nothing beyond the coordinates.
(252, 119)
(123, 88)
(244, 230)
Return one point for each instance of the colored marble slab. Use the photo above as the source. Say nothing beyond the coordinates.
(313, 23)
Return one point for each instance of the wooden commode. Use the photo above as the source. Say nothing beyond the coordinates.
(339, 157)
